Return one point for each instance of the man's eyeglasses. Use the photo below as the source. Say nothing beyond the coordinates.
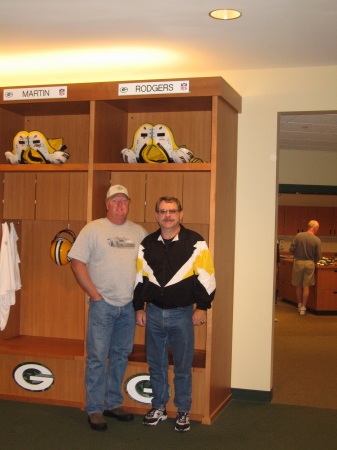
(163, 212)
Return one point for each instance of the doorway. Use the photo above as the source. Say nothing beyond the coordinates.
(304, 347)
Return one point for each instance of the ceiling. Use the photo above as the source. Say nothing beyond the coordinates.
(270, 34)
(174, 37)
(308, 132)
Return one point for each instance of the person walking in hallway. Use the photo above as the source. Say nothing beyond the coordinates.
(306, 248)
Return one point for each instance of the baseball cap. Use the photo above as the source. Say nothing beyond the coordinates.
(117, 189)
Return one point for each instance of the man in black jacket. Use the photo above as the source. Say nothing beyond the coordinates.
(174, 272)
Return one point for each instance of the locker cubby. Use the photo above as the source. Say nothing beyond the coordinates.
(47, 325)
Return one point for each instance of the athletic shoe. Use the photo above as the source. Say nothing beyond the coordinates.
(299, 306)
(302, 310)
(154, 416)
(182, 422)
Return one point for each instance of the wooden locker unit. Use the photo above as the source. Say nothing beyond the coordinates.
(96, 124)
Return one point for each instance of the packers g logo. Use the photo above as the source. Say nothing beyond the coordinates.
(138, 387)
(33, 377)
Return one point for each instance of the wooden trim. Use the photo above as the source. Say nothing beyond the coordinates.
(155, 167)
(44, 167)
(138, 355)
(199, 87)
(43, 347)
(207, 420)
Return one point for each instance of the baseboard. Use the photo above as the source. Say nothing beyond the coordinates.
(250, 395)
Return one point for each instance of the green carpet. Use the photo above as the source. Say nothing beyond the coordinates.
(241, 425)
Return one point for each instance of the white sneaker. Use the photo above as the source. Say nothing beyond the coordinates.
(299, 306)
(154, 416)
(182, 422)
(302, 310)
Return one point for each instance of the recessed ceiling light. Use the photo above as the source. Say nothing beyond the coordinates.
(225, 14)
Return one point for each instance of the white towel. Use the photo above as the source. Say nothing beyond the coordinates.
(9, 272)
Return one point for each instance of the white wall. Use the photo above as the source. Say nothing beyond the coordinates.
(265, 93)
(316, 167)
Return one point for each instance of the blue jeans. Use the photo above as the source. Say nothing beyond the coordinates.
(170, 328)
(110, 335)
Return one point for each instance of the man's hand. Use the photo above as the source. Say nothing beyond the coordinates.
(141, 318)
(199, 317)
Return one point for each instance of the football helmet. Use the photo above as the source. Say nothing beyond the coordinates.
(60, 246)
(155, 144)
(34, 148)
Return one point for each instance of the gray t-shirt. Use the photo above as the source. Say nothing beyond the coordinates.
(306, 246)
(110, 253)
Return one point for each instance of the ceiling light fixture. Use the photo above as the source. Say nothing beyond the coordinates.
(225, 14)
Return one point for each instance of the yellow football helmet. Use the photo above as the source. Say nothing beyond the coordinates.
(60, 247)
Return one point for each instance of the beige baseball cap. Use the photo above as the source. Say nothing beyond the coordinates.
(117, 189)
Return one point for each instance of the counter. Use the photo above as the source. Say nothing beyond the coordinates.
(323, 296)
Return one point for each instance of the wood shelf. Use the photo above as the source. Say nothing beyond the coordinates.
(138, 355)
(43, 167)
(43, 347)
(155, 167)
(74, 349)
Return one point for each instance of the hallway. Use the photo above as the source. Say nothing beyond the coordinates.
(305, 355)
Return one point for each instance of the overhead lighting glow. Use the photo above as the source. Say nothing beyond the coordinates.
(225, 14)
(83, 64)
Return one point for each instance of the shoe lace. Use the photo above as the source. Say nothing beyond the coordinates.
(152, 412)
(182, 417)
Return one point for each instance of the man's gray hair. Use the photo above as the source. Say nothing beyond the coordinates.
(168, 200)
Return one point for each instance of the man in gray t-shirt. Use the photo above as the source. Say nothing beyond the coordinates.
(103, 259)
(306, 248)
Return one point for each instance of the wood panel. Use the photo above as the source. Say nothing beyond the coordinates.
(135, 184)
(74, 129)
(196, 197)
(327, 300)
(150, 227)
(334, 223)
(98, 190)
(52, 196)
(201, 228)
(78, 193)
(158, 185)
(109, 133)
(324, 217)
(66, 389)
(191, 129)
(52, 303)
(280, 220)
(307, 213)
(292, 220)
(222, 246)
(327, 278)
(198, 393)
(10, 124)
(19, 196)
